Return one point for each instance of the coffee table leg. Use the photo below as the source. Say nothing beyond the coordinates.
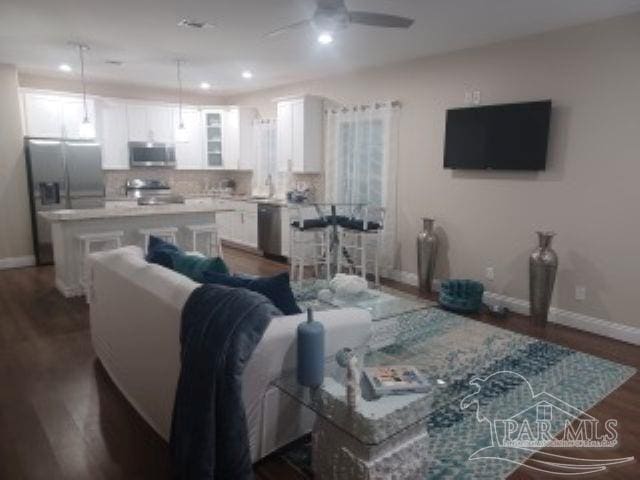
(338, 456)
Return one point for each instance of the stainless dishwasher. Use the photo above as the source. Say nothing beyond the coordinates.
(269, 229)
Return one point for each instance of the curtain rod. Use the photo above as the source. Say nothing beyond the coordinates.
(355, 108)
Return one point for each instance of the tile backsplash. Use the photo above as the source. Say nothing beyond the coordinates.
(198, 181)
(181, 181)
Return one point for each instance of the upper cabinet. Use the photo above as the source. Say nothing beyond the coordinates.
(215, 137)
(189, 151)
(228, 138)
(212, 122)
(299, 135)
(150, 123)
(113, 135)
(237, 138)
(55, 116)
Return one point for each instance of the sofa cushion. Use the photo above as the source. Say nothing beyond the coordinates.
(276, 288)
(189, 265)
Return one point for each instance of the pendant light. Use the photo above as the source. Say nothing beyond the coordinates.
(87, 129)
(181, 131)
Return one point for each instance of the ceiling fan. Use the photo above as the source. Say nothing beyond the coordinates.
(333, 15)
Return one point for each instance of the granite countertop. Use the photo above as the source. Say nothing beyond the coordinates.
(133, 211)
(238, 197)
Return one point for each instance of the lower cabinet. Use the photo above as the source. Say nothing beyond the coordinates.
(239, 225)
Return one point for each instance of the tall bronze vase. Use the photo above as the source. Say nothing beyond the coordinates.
(427, 245)
(543, 265)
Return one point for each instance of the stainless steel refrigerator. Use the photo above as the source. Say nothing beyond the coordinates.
(63, 174)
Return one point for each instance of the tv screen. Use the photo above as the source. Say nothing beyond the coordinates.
(498, 137)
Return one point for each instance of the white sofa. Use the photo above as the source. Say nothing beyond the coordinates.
(135, 323)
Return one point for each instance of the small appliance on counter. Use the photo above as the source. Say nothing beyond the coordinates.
(63, 174)
(302, 193)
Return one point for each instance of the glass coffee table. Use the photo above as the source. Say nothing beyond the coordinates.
(381, 304)
(380, 435)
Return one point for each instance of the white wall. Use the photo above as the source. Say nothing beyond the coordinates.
(15, 228)
(589, 194)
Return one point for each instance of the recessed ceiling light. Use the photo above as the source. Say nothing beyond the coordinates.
(247, 74)
(325, 38)
(64, 67)
(193, 23)
(205, 85)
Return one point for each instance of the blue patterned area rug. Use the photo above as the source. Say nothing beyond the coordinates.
(508, 370)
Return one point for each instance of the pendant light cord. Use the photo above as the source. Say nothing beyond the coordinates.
(179, 73)
(81, 49)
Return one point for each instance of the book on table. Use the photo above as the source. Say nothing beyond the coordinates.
(396, 380)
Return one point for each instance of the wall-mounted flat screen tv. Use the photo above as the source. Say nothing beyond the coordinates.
(498, 137)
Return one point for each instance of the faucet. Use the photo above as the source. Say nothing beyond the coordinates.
(269, 183)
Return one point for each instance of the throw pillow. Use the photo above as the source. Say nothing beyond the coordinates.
(192, 266)
(276, 288)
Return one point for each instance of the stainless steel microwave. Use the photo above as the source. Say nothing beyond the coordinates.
(148, 154)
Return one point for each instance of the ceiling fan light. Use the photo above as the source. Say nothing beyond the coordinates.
(325, 38)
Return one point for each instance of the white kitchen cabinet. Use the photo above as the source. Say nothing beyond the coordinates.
(284, 132)
(189, 152)
(237, 138)
(113, 135)
(239, 226)
(213, 139)
(55, 116)
(150, 123)
(299, 135)
(227, 138)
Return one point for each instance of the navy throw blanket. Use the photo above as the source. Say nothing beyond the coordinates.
(221, 327)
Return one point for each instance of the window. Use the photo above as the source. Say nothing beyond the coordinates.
(360, 161)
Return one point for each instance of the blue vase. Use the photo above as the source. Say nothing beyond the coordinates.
(310, 352)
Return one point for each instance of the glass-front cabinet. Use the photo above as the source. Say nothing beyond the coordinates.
(213, 138)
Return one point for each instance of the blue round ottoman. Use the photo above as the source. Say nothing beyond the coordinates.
(462, 296)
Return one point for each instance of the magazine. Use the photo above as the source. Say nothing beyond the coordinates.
(396, 379)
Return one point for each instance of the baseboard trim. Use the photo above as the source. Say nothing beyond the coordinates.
(579, 321)
(17, 262)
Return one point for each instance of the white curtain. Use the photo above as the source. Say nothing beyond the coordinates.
(361, 158)
(264, 146)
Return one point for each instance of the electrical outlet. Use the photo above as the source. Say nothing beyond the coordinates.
(476, 97)
(468, 98)
(581, 293)
(490, 273)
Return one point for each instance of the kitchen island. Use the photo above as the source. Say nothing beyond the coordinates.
(67, 225)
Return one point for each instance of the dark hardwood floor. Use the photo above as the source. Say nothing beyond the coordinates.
(62, 418)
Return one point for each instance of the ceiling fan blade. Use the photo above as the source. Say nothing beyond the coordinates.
(380, 20)
(288, 28)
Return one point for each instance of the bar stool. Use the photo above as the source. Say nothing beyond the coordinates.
(211, 232)
(309, 241)
(168, 234)
(106, 241)
(356, 238)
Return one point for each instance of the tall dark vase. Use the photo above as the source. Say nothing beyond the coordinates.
(427, 245)
(543, 265)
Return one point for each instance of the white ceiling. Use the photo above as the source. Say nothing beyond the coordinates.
(34, 35)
